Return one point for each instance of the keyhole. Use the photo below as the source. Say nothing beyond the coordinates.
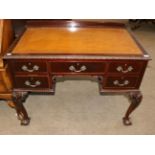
(31, 78)
(78, 64)
(122, 78)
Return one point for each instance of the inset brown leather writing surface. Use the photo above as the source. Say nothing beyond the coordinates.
(73, 40)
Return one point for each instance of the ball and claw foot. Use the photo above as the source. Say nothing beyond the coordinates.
(24, 121)
(19, 98)
(127, 121)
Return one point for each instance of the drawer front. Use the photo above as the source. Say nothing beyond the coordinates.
(31, 82)
(121, 82)
(77, 67)
(29, 67)
(125, 67)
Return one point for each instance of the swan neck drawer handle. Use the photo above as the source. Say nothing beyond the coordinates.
(34, 68)
(28, 83)
(125, 83)
(120, 69)
(82, 69)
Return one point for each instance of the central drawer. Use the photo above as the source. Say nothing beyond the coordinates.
(77, 67)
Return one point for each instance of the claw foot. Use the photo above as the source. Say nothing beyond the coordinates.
(19, 98)
(127, 121)
(135, 98)
(25, 122)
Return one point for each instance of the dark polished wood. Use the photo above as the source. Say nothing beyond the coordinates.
(66, 23)
(75, 67)
(19, 98)
(121, 82)
(33, 82)
(34, 66)
(21, 66)
(137, 66)
(136, 98)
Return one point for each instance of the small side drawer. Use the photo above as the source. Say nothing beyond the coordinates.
(123, 82)
(77, 67)
(29, 66)
(31, 82)
(125, 67)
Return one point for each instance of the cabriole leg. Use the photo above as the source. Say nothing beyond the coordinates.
(19, 98)
(135, 98)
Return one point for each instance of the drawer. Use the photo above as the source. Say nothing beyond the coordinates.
(125, 67)
(29, 67)
(124, 82)
(77, 67)
(31, 82)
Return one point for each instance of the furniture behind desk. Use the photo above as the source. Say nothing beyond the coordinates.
(6, 38)
(47, 50)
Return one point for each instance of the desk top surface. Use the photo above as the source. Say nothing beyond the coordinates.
(77, 40)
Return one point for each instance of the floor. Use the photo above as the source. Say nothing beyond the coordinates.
(77, 108)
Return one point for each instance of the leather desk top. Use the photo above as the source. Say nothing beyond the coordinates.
(74, 40)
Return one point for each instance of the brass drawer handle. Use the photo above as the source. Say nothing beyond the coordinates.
(120, 69)
(25, 68)
(83, 68)
(28, 83)
(125, 83)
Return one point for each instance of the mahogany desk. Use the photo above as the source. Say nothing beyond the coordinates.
(46, 51)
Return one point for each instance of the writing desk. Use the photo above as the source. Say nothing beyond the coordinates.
(48, 50)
